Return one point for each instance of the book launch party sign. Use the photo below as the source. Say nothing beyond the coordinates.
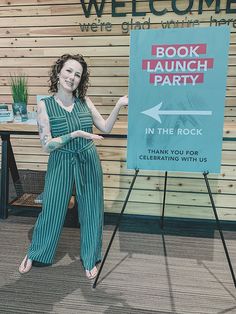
(177, 88)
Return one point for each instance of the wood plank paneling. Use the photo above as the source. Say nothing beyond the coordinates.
(33, 33)
(73, 8)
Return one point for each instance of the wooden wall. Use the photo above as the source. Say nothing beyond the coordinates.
(34, 33)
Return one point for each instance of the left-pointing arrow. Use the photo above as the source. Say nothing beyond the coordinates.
(155, 112)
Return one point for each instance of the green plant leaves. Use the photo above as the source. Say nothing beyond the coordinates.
(19, 88)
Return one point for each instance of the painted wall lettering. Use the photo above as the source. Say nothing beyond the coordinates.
(119, 8)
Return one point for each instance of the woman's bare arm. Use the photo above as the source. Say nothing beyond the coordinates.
(106, 125)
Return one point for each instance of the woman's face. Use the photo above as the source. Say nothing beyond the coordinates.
(70, 75)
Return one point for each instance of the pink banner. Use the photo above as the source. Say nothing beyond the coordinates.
(181, 50)
(176, 78)
(179, 64)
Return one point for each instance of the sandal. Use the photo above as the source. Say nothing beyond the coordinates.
(25, 265)
(90, 274)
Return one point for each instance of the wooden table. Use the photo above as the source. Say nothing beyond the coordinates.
(8, 160)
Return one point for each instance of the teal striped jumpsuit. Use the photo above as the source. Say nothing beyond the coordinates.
(76, 162)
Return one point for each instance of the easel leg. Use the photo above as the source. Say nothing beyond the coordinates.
(164, 202)
(115, 230)
(219, 227)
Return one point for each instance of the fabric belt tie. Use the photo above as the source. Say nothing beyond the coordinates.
(78, 159)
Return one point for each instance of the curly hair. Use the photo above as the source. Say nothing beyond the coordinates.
(81, 90)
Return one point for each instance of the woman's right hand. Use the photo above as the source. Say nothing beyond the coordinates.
(87, 135)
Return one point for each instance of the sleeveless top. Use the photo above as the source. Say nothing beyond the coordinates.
(63, 122)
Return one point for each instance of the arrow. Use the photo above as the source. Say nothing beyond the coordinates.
(155, 112)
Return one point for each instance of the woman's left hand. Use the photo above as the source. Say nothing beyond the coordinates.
(123, 101)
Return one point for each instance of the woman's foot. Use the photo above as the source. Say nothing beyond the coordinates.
(90, 274)
(26, 265)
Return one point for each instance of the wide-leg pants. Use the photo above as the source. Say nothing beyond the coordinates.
(65, 169)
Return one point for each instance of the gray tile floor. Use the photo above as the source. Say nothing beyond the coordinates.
(179, 271)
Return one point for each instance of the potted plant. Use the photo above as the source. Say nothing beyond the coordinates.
(19, 89)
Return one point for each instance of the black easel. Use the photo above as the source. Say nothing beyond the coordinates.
(162, 223)
(117, 226)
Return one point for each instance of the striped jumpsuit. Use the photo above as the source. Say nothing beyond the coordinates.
(76, 162)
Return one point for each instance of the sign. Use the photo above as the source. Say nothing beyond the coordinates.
(176, 99)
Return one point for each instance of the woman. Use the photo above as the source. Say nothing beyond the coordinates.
(65, 123)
